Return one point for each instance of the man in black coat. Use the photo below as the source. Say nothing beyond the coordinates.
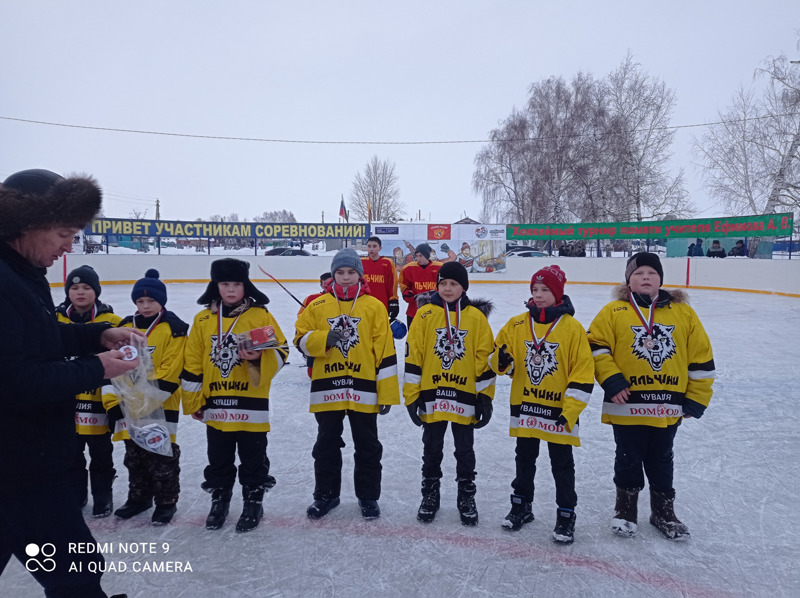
(40, 212)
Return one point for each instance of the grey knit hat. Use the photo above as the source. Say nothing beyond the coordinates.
(347, 258)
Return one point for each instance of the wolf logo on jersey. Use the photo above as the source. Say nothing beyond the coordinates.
(655, 348)
(225, 357)
(349, 328)
(445, 350)
(540, 363)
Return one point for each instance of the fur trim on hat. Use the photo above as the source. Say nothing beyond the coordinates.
(40, 199)
(231, 270)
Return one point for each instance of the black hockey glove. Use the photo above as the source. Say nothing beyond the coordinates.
(504, 359)
(562, 421)
(334, 336)
(483, 411)
(114, 415)
(394, 309)
(384, 409)
(408, 295)
(412, 412)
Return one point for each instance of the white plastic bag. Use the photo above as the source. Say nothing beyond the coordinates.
(142, 402)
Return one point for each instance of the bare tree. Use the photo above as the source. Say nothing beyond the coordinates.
(751, 160)
(376, 190)
(275, 216)
(583, 150)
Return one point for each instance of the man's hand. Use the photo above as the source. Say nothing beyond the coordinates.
(113, 363)
(114, 338)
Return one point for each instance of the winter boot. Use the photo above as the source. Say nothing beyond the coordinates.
(564, 531)
(369, 508)
(663, 516)
(466, 502)
(624, 522)
(103, 504)
(220, 503)
(133, 507)
(430, 500)
(321, 507)
(163, 514)
(253, 509)
(520, 514)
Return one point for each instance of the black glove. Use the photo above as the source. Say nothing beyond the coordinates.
(408, 294)
(412, 411)
(114, 415)
(504, 359)
(394, 309)
(334, 336)
(384, 409)
(483, 411)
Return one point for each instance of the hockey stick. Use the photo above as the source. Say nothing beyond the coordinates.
(280, 285)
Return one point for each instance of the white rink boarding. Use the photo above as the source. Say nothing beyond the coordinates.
(734, 274)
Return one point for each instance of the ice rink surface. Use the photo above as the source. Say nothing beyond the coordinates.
(736, 477)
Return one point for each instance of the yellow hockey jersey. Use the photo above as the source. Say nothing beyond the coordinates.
(166, 342)
(233, 393)
(668, 369)
(554, 379)
(449, 369)
(91, 417)
(360, 371)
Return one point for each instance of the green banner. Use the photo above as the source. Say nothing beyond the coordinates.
(771, 225)
(258, 230)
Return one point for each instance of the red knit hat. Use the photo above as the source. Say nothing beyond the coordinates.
(554, 278)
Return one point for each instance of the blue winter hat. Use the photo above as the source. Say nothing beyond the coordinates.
(347, 258)
(150, 286)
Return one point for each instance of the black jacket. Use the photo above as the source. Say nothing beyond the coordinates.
(38, 384)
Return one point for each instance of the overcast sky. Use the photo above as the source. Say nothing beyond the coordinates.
(335, 72)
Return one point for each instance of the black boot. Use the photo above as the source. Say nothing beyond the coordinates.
(322, 506)
(662, 505)
(626, 510)
(466, 502)
(133, 507)
(520, 514)
(220, 503)
(564, 531)
(253, 509)
(103, 504)
(430, 500)
(163, 514)
(369, 508)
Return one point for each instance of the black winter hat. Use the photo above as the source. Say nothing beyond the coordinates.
(37, 199)
(83, 275)
(424, 249)
(637, 260)
(453, 271)
(231, 270)
(150, 286)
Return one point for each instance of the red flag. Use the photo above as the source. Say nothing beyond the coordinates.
(343, 211)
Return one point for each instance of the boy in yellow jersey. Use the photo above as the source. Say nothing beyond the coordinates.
(227, 388)
(448, 379)
(83, 306)
(654, 361)
(546, 353)
(152, 476)
(354, 374)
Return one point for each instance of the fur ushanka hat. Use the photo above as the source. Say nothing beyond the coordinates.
(37, 199)
(231, 270)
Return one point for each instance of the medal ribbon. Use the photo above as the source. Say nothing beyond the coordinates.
(220, 337)
(537, 344)
(648, 324)
(447, 321)
(358, 293)
(154, 324)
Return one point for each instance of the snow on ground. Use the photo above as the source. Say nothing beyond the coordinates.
(736, 481)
